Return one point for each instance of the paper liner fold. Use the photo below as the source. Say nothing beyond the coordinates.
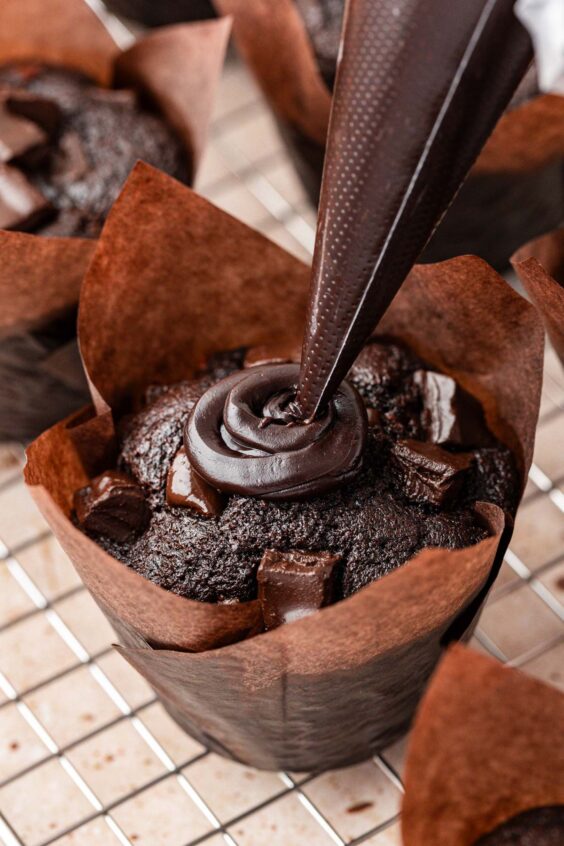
(40, 380)
(515, 190)
(170, 239)
(273, 41)
(174, 279)
(40, 278)
(486, 745)
(178, 69)
(540, 265)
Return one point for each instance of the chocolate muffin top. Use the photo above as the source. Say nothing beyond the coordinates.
(68, 145)
(429, 458)
(538, 827)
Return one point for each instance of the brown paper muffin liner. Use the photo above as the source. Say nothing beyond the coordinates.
(178, 68)
(486, 746)
(174, 279)
(515, 191)
(41, 378)
(540, 265)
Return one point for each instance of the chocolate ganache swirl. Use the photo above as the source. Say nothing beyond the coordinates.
(420, 85)
(244, 436)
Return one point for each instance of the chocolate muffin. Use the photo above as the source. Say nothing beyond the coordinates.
(428, 459)
(538, 827)
(68, 145)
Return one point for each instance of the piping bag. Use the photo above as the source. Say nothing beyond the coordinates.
(417, 93)
(420, 86)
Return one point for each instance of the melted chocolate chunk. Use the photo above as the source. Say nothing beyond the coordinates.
(18, 136)
(113, 505)
(428, 474)
(294, 584)
(153, 437)
(537, 827)
(21, 205)
(379, 369)
(450, 415)
(186, 489)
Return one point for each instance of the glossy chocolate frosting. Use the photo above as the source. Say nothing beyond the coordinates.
(244, 437)
(420, 86)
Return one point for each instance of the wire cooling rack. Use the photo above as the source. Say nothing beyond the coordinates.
(88, 756)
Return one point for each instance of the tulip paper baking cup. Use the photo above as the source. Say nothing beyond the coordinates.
(540, 265)
(41, 376)
(486, 746)
(178, 68)
(516, 188)
(174, 279)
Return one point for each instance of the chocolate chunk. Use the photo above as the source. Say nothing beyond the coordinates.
(377, 368)
(19, 137)
(114, 505)
(450, 415)
(272, 354)
(294, 584)
(41, 110)
(70, 162)
(186, 489)
(428, 474)
(21, 205)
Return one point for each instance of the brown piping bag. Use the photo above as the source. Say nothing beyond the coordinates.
(540, 265)
(486, 746)
(515, 190)
(178, 69)
(172, 280)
